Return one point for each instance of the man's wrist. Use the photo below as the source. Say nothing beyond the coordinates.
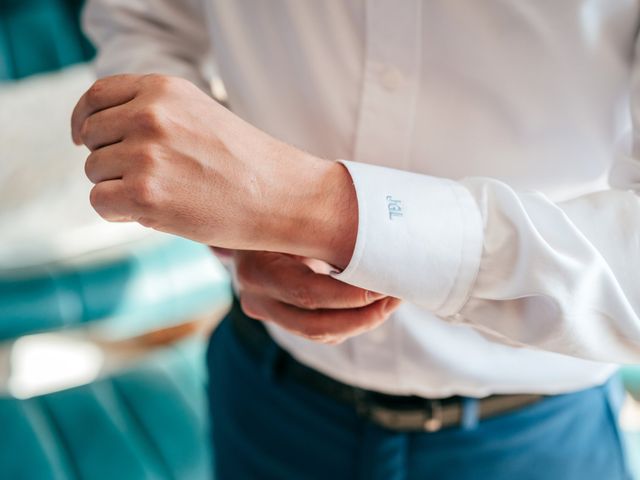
(336, 217)
(314, 213)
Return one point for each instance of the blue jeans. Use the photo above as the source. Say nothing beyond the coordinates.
(265, 427)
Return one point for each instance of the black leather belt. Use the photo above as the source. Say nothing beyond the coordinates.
(395, 412)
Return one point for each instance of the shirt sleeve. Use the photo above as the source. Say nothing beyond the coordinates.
(150, 36)
(557, 276)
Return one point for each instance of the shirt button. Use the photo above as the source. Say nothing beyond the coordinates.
(391, 78)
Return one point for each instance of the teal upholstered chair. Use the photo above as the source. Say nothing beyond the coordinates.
(145, 422)
(143, 418)
(152, 285)
(39, 36)
(141, 415)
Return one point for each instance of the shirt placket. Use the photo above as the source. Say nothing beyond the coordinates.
(385, 131)
(390, 82)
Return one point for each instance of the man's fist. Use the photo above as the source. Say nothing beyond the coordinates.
(168, 156)
(296, 294)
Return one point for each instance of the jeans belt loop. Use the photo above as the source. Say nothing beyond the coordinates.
(470, 413)
(361, 400)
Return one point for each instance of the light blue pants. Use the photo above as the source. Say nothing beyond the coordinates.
(266, 427)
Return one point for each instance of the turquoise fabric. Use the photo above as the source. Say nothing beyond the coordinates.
(150, 287)
(39, 36)
(631, 379)
(147, 422)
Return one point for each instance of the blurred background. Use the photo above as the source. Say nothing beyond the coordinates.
(102, 326)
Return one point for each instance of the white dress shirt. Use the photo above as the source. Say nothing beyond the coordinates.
(486, 142)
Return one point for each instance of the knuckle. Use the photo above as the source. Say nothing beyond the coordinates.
(162, 83)
(156, 79)
(94, 197)
(147, 157)
(150, 119)
(99, 201)
(144, 191)
(89, 167)
(85, 128)
(151, 79)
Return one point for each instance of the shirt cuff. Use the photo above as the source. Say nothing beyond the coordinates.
(419, 237)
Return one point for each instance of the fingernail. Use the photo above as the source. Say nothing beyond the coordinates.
(373, 296)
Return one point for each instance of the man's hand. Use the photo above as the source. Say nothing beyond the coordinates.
(298, 296)
(166, 155)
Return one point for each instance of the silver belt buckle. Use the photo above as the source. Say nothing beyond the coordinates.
(434, 422)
